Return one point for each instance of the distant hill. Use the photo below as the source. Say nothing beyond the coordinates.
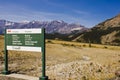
(52, 27)
(107, 32)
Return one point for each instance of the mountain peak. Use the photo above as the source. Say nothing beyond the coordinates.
(118, 15)
(112, 22)
(56, 26)
(25, 21)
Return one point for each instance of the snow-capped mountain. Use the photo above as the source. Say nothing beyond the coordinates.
(51, 26)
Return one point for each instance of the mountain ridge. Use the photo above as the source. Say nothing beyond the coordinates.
(106, 32)
(51, 26)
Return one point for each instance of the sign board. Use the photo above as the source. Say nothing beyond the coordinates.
(24, 39)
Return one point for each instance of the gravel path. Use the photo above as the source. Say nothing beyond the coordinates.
(8, 78)
(17, 77)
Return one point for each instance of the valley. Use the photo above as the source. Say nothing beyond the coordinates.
(67, 61)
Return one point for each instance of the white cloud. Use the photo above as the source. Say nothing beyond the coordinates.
(80, 12)
(50, 2)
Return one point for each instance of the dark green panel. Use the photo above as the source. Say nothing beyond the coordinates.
(24, 40)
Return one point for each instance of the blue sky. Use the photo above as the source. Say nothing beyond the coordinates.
(85, 12)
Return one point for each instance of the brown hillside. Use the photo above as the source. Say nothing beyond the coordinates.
(107, 32)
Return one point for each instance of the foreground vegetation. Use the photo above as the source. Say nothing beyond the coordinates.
(67, 61)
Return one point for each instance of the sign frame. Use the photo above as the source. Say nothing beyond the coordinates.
(6, 71)
(24, 39)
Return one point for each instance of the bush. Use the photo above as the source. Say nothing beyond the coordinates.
(105, 47)
(49, 41)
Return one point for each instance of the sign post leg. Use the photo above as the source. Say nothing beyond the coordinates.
(6, 63)
(44, 77)
(5, 56)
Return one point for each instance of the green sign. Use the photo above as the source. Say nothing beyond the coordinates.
(24, 39)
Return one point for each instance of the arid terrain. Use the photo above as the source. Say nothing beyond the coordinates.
(66, 61)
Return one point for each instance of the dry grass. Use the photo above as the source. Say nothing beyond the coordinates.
(67, 61)
(78, 44)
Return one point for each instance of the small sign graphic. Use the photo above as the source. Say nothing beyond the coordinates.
(8, 30)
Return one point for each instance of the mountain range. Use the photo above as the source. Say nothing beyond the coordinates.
(51, 27)
(106, 32)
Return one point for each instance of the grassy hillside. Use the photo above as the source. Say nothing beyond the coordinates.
(67, 61)
(107, 32)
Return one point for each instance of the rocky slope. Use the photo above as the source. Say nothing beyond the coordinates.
(107, 32)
